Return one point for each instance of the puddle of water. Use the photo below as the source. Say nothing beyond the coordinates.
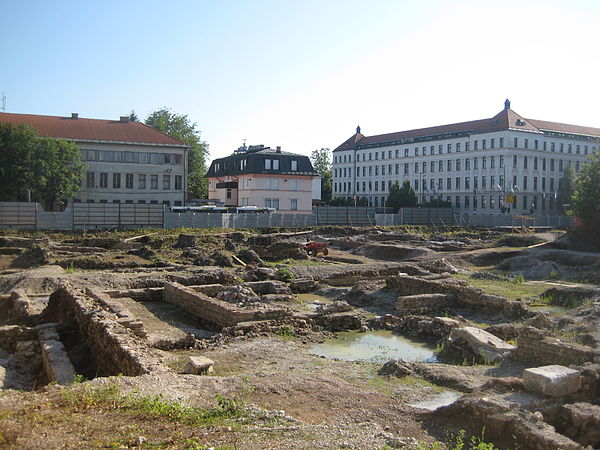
(374, 346)
(551, 309)
(444, 398)
(312, 300)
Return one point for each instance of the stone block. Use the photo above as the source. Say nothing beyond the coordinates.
(485, 344)
(553, 380)
(199, 365)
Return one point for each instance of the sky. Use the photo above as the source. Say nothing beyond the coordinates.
(302, 74)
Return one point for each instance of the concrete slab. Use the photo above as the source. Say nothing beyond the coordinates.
(553, 380)
(199, 365)
(485, 344)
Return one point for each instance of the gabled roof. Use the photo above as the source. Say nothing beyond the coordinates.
(255, 164)
(504, 120)
(98, 130)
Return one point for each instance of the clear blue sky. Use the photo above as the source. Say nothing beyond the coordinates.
(302, 74)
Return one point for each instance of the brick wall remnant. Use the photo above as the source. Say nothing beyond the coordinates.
(534, 346)
(216, 311)
(56, 362)
(114, 348)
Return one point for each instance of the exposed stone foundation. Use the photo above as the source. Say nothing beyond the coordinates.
(216, 311)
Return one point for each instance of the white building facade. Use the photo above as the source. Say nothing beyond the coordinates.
(126, 161)
(503, 164)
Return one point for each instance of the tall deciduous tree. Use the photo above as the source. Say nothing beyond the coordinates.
(50, 169)
(179, 126)
(17, 144)
(566, 187)
(57, 172)
(401, 197)
(321, 161)
(586, 198)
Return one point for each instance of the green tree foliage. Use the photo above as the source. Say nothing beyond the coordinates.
(566, 187)
(349, 201)
(133, 116)
(57, 171)
(321, 161)
(179, 126)
(401, 197)
(17, 145)
(50, 168)
(586, 198)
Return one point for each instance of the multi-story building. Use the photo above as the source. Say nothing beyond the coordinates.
(488, 165)
(127, 162)
(264, 177)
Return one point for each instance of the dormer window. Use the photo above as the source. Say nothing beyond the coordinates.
(294, 165)
(275, 164)
(267, 164)
(520, 123)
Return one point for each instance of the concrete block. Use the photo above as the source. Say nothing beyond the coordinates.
(482, 343)
(553, 380)
(199, 365)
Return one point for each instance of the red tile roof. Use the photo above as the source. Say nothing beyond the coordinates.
(92, 129)
(505, 119)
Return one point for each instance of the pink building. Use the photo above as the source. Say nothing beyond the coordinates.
(264, 177)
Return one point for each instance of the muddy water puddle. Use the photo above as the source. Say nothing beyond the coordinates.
(444, 398)
(550, 309)
(375, 346)
(312, 301)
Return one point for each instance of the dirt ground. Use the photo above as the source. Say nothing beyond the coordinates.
(283, 395)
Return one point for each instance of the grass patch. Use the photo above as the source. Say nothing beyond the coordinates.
(511, 289)
(226, 411)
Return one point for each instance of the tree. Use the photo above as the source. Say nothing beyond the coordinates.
(57, 172)
(17, 144)
(586, 198)
(179, 127)
(566, 187)
(133, 116)
(400, 197)
(321, 161)
(50, 169)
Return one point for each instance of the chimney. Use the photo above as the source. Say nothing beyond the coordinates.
(278, 150)
(124, 119)
(74, 115)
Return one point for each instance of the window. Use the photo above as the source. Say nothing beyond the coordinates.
(492, 162)
(103, 180)
(492, 143)
(560, 165)
(153, 181)
(467, 199)
(457, 183)
(457, 201)
(449, 147)
(526, 142)
(432, 166)
(467, 163)
(483, 162)
(483, 182)
(405, 168)
(475, 163)
(406, 153)
(535, 183)
(562, 148)
(535, 163)
(484, 144)
(514, 161)
(397, 169)
(475, 182)
(501, 142)
(142, 181)
(516, 143)
(397, 153)
(178, 182)
(457, 147)
(228, 194)
(525, 182)
(90, 180)
(432, 150)
(268, 164)
(467, 183)
(525, 159)
(476, 145)
(272, 203)
(551, 165)
(116, 180)
(536, 144)
(128, 181)
(271, 184)
(449, 165)
(458, 165)
(294, 204)
(448, 183)
(166, 182)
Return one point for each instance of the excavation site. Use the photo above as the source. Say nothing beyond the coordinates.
(327, 337)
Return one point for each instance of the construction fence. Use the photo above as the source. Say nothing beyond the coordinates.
(31, 216)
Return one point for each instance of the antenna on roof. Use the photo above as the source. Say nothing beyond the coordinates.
(3, 107)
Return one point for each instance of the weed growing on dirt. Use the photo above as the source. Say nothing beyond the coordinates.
(286, 331)
(458, 441)
(70, 268)
(284, 274)
(506, 288)
(518, 279)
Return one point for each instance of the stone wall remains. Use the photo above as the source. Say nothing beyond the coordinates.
(534, 347)
(216, 311)
(114, 348)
